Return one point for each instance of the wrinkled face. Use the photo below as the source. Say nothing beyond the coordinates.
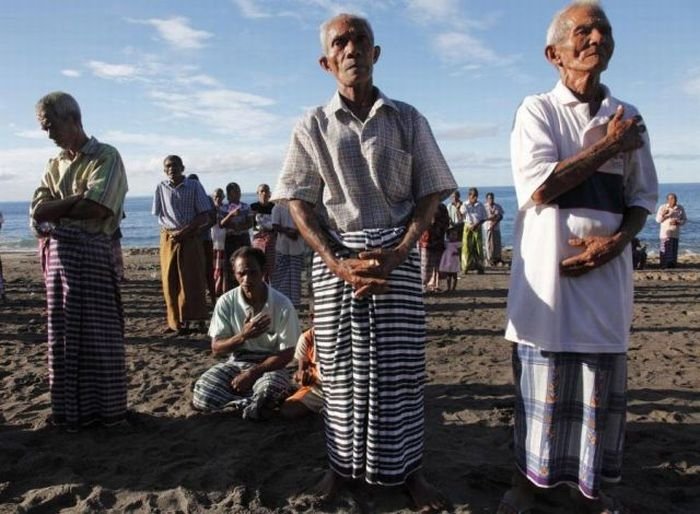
(173, 168)
(351, 52)
(263, 193)
(588, 45)
(63, 132)
(249, 275)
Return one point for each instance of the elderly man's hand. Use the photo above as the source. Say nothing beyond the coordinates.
(626, 133)
(597, 250)
(243, 382)
(369, 273)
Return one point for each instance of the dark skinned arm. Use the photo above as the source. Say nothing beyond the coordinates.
(369, 272)
(252, 328)
(192, 228)
(74, 207)
(622, 136)
(597, 250)
(243, 382)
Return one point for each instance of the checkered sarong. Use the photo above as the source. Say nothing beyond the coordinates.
(372, 356)
(569, 417)
(87, 373)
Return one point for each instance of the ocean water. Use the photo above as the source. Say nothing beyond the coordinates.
(141, 230)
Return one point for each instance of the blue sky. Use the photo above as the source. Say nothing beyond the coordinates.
(221, 82)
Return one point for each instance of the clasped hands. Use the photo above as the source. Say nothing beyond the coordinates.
(368, 273)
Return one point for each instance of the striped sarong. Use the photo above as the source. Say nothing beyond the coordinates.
(668, 252)
(182, 274)
(213, 390)
(569, 417)
(472, 250)
(372, 356)
(286, 277)
(87, 373)
(266, 241)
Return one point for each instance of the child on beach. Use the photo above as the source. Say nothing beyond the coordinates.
(449, 262)
(309, 396)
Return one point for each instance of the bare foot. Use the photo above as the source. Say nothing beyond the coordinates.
(426, 496)
(604, 504)
(519, 498)
(326, 488)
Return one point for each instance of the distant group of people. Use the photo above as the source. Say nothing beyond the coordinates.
(200, 235)
(363, 184)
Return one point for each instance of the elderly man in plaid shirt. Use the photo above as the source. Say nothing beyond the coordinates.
(363, 178)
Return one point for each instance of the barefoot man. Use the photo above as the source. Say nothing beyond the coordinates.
(585, 183)
(363, 178)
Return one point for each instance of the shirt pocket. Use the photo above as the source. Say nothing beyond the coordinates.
(393, 169)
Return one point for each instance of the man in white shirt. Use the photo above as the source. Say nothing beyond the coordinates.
(258, 328)
(585, 183)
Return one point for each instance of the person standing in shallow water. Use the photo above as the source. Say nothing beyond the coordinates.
(585, 182)
(363, 178)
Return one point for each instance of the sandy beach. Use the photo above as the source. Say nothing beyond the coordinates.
(173, 459)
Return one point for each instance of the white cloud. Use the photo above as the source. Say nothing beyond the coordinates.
(71, 73)
(692, 86)
(177, 32)
(31, 134)
(251, 9)
(464, 49)
(200, 79)
(432, 11)
(113, 71)
(465, 131)
(225, 111)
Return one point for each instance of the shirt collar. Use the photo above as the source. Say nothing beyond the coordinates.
(89, 148)
(607, 107)
(336, 104)
(564, 95)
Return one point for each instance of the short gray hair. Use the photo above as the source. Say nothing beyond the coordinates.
(61, 105)
(560, 24)
(323, 30)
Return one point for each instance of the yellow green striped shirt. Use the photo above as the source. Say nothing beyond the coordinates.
(98, 172)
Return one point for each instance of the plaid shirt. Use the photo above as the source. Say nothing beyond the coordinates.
(364, 175)
(98, 172)
(178, 206)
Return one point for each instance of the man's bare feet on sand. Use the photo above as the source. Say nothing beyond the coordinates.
(326, 488)
(426, 496)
